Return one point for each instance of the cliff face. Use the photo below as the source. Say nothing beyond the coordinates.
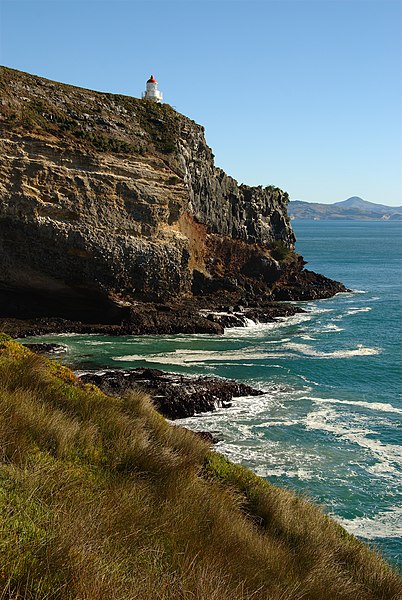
(106, 198)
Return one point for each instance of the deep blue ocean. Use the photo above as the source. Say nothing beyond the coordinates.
(329, 424)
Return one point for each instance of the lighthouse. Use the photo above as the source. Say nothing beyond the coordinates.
(152, 92)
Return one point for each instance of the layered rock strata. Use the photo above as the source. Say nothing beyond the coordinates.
(107, 201)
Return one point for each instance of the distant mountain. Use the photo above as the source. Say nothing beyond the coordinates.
(354, 209)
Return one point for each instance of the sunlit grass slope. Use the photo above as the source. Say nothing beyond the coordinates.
(100, 498)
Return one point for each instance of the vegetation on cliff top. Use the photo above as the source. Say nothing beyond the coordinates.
(101, 498)
(94, 121)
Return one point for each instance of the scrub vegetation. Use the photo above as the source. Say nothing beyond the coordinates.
(101, 498)
(280, 251)
(95, 121)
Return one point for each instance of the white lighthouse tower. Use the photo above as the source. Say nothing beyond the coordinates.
(152, 92)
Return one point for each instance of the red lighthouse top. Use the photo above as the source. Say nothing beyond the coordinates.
(152, 80)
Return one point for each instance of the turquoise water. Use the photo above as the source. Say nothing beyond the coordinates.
(329, 423)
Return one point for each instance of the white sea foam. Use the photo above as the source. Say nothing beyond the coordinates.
(307, 380)
(242, 412)
(79, 373)
(316, 310)
(96, 343)
(385, 524)
(188, 357)
(331, 327)
(67, 335)
(389, 455)
(261, 329)
(302, 474)
(268, 458)
(277, 341)
(249, 322)
(307, 350)
(361, 309)
(359, 351)
(377, 406)
(282, 423)
(381, 469)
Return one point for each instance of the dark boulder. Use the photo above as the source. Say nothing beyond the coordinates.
(175, 396)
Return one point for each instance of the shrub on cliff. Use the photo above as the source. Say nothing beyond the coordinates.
(101, 498)
(280, 251)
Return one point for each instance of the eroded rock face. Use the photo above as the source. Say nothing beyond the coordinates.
(107, 199)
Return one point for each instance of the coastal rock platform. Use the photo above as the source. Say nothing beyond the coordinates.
(174, 395)
(208, 315)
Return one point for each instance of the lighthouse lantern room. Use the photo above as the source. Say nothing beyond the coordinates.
(152, 92)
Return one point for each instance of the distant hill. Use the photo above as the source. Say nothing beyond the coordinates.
(354, 209)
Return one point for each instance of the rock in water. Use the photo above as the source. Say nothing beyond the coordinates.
(175, 396)
(45, 348)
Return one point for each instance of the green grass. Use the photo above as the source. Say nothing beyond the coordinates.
(101, 498)
(280, 251)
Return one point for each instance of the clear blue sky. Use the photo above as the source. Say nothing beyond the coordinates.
(302, 94)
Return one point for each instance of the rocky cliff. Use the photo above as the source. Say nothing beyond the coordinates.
(108, 200)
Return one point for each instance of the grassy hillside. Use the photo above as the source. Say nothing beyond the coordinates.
(100, 498)
(354, 209)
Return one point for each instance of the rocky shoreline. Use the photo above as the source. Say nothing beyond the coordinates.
(174, 395)
(157, 319)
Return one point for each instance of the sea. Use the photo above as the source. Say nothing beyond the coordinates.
(328, 425)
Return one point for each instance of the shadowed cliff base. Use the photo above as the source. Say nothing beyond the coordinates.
(109, 202)
(151, 319)
(215, 305)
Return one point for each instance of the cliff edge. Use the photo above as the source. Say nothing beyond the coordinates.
(107, 201)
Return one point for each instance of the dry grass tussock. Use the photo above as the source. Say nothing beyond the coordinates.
(100, 498)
